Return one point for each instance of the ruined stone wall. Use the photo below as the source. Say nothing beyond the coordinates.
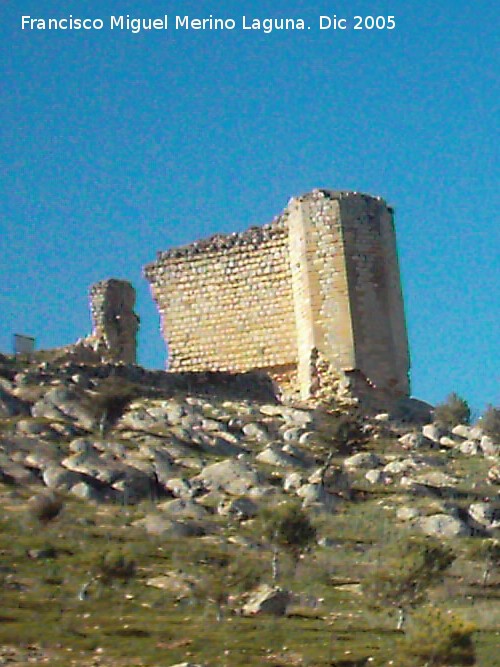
(321, 282)
(114, 323)
(226, 303)
(377, 312)
(354, 288)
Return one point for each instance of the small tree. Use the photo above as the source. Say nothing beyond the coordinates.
(45, 507)
(455, 410)
(219, 572)
(437, 638)
(115, 566)
(490, 422)
(288, 527)
(406, 568)
(488, 552)
(113, 396)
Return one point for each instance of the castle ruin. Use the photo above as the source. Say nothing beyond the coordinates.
(314, 294)
(114, 323)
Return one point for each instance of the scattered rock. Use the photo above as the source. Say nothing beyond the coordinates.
(468, 447)
(442, 525)
(376, 476)
(490, 447)
(183, 509)
(273, 455)
(234, 477)
(484, 515)
(267, 600)
(62, 404)
(362, 460)
(176, 583)
(433, 432)
(407, 513)
(415, 441)
(494, 474)
(240, 508)
(154, 524)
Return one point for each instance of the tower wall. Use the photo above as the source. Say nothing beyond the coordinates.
(322, 279)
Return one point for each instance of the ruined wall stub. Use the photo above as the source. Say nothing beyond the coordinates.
(322, 280)
(114, 323)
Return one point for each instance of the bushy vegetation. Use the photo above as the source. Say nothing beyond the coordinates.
(112, 397)
(114, 565)
(490, 422)
(45, 507)
(455, 410)
(437, 638)
(404, 569)
(288, 527)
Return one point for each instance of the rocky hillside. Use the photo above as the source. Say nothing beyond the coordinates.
(174, 469)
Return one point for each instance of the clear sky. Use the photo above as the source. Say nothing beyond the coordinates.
(115, 145)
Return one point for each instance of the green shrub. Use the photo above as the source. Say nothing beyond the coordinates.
(405, 569)
(455, 410)
(45, 507)
(112, 399)
(288, 527)
(490, 422)
(437, 638)
(114, 566)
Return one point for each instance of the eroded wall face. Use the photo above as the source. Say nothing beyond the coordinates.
(319, 280)
(377, 312)
(114, 323)
(346, 282)
(229, 306)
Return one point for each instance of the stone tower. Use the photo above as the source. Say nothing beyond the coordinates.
(317, 288)
(114, 323)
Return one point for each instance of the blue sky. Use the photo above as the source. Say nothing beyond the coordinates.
(115, 146)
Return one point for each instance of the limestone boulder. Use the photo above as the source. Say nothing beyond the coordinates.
(376, 476)
(268, 600)
(415, 441)
(15, 473)
(32, 427)
(275, 456)
(494, 474)
(293, 481)
(401, 466)
(484, 515)
(11, 406)
(64, 404)
(176, 583)
(58, 478)
(155, 524)
(469, 447)
(255, 431)
(442, 526)
(233, 477)
(183, 509)
(490, 448)
(434, 432)
(435, 479)
(462, 431)
(86, 491)
(180, 487)
(407, 513)
(239, 508)
(315, 496)
(362, 460)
